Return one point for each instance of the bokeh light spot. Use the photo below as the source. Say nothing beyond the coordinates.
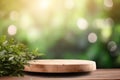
(108, 3)
(12, 30)
(92, 37)
(82, 24)
(112, 46)
(109, 21)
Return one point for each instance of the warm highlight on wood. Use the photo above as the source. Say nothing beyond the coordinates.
(60, 66)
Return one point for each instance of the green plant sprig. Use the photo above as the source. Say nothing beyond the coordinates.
(13, 57)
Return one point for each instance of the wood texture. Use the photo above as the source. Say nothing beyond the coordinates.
(100, 74)
(60, 66)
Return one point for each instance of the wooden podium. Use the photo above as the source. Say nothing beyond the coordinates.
(60, 66)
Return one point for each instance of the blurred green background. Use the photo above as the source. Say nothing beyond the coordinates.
(66, 29)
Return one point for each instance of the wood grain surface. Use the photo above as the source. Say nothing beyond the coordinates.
(60, 66)
(100, 74)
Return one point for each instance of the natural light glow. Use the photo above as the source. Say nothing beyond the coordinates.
(43, 4)
(112, 46)
(106, 27)
(56, 21)
(69, 4)
(13, 15)
(99, 23)
(25, 21)
(109, 21)
(92, 37)
(12, 30)
(33, 34)
(103, 23)
(82, 24)
(108, 3)
(106, 33)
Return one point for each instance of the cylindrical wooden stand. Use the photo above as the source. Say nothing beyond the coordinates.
(60, 66)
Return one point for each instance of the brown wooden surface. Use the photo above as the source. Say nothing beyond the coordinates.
(60, 66)
(100, 74)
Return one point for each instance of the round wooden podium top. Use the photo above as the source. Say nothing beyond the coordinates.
(60, 66)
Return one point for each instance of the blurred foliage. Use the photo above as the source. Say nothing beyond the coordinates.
(68, 29)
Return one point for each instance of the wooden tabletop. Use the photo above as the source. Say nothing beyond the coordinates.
(107, 74)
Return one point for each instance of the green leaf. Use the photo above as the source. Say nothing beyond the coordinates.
(11, 58)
